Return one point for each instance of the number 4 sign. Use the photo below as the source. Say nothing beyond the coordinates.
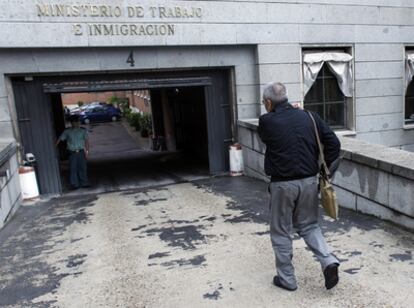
(130, 59)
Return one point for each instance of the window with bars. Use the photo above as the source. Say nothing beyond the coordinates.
(409, 94)
(409, 104)
(326, 98)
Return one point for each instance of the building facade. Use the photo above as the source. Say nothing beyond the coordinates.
(346, 59)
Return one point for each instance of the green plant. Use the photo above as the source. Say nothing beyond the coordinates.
(80, 104)
(126, 112)
(146, 124)
(120, 102)
(134, 119)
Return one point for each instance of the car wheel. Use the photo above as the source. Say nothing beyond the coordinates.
(87, 121)
(114, 119)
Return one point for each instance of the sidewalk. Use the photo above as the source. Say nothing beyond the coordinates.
(143, 143)
(194, 244)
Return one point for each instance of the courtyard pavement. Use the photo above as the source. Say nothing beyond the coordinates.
(202, 243)
(120, 159)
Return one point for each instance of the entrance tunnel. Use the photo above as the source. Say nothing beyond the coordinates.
(183, 133)
(124, 152)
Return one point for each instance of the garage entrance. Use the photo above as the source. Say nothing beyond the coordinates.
(191, 128)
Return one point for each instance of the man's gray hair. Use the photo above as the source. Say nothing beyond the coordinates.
(276, 93)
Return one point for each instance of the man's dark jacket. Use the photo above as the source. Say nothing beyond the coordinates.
(291, 146)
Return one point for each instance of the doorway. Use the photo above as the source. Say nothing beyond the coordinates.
(190, 128)
(125, 149)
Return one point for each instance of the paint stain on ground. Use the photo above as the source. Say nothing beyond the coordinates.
(82, 217)
(75, 260)
(344, 256)
(22, 258)
(76, 240)
(249, 198)
(142, 191)
(139, 228)
(159, 255)
(146, 197)
(407, 256)
(179, 222)
(376, 244)
(262, 233)
(212, 296)
(245, 216)
(216, 294)
(352, 271)
(185, 237)
(195, 261)
(146, 202)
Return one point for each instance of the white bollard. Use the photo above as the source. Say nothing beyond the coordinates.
(28, 183)
(236, 160)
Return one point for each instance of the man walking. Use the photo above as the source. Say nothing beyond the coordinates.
(77, 144)
(291, 159)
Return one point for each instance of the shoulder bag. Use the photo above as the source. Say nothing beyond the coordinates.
(328, 195)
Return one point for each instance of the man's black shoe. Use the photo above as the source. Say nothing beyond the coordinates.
(277, 283)
(86, 186)
(331, 275)
(73, 188)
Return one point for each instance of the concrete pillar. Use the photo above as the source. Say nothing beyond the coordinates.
(131, 96)
(169, 129)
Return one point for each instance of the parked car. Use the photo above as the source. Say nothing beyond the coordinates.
(100, 114)
(91, 105)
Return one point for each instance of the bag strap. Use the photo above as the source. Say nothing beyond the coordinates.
(321, 155)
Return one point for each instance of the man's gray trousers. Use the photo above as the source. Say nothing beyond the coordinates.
(294, 205)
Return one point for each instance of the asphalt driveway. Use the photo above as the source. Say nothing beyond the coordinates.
(203, 243)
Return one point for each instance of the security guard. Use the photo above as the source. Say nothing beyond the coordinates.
(77, 144)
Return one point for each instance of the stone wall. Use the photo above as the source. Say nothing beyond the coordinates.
(375, 32)
(216, 22)
(10, 195)
(371, 179)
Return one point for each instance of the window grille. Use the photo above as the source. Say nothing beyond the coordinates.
(326, 98)
(409, 104)
(409, 95)
(328, 86)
